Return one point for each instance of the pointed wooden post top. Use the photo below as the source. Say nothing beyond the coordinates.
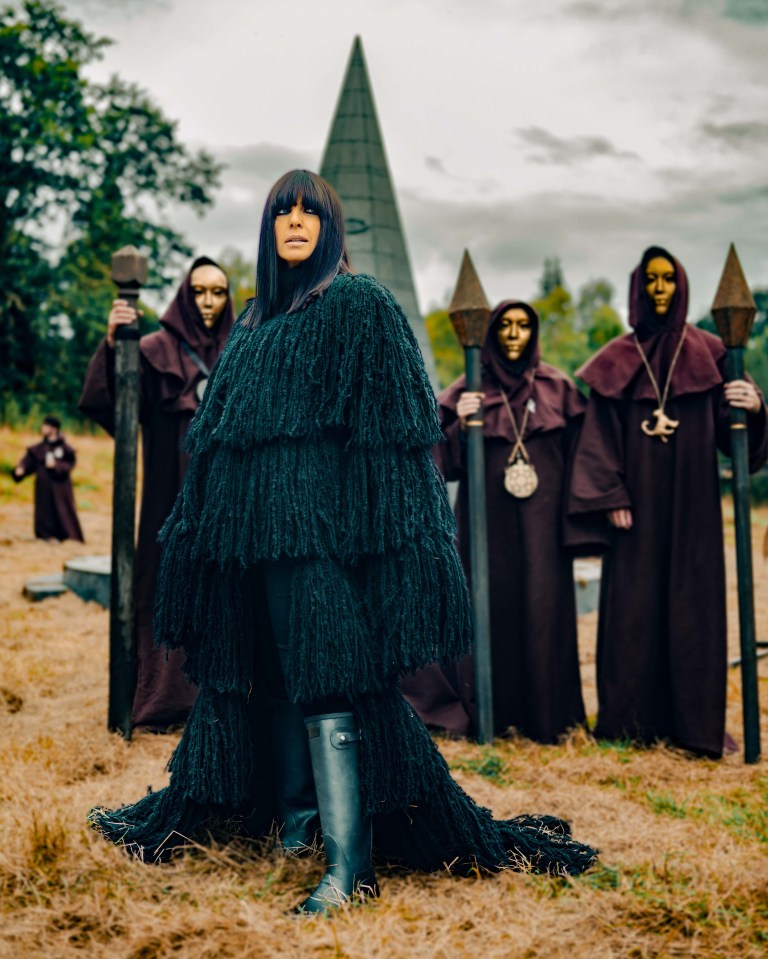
(734, 307)
(469, 310)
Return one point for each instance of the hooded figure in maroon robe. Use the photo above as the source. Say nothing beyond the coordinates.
(51, 463)
(536, 681)
(171, 379)
(661, 658)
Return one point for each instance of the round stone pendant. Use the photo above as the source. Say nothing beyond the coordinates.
(200, 389)
(520, 479)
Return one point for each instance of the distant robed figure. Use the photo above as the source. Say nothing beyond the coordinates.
(647, 460)
(51, 462)
(531, 414)
(174, 367)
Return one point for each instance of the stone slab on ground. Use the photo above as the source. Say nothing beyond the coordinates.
(89, 577)
(41, 587)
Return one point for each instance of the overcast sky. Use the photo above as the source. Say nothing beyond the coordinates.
(584, 129)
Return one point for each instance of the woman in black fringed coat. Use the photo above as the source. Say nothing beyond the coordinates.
(308, 562)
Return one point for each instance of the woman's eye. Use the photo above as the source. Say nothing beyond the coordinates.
(282, 211)
(311, 210)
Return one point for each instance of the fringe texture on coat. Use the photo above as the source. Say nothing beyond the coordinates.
(313, 443)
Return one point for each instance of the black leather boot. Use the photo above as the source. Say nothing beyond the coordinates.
(297, 816)
(334, 742)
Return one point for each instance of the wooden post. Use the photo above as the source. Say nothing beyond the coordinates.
(734, 311)
(470, 312)
(129, 273)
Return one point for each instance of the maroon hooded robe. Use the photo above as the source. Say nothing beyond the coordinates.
(536, 681)
(168, 401)
(661, 658)
(55, 512)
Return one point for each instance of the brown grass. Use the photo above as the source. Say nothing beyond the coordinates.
(683, 871)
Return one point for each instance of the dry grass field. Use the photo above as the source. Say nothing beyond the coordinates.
(683, 870)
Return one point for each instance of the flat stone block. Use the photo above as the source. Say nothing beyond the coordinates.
(89, 577)
(586, 576)
(41, 587)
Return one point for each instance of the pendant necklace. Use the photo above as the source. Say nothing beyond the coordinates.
(520, 478)
(664, 427)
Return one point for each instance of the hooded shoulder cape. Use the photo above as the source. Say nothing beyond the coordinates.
(313, 443)
(617, 371)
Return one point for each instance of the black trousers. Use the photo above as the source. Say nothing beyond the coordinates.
(274, 651)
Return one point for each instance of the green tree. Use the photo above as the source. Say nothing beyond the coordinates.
(596, 316)
(242, 276)
(448, 352)
(572, 331)
(84, 169)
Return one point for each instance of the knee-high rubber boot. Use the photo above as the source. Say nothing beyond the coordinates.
(297, 815)
(334, 741)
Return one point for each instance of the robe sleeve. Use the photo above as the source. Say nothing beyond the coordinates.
(597, 478)
(28, 463)
(582, 534)
(97, 400)
(451, 452)
(756, 429)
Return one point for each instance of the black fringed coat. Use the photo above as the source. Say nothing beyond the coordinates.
(313, 442)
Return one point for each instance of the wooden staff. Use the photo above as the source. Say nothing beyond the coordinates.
(470, 312)
(129, 273)
(734, 311)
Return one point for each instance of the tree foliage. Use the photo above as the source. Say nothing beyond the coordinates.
(572, 331)
(242, 276)
(85, 168)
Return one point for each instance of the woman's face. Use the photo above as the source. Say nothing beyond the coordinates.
(297, 231)
(210, 289)
(660, 283)
(513, 332)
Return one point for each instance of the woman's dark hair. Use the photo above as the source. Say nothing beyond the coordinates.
(315, 274)
(53, 421)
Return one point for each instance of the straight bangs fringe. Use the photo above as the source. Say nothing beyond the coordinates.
(329, 259)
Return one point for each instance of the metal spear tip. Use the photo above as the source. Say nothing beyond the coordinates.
(469, 310)
(734, 307)
(129, 267)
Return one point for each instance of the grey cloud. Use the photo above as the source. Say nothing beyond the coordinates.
(593, 237)
(435, 164)
(749, 134)
(745, 196)
(113, 11)
(748, 11)
(260, 160)
(753, 12)
(483, 185)
(567, 151)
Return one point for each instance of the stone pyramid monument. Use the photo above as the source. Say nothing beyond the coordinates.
(355, 164)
